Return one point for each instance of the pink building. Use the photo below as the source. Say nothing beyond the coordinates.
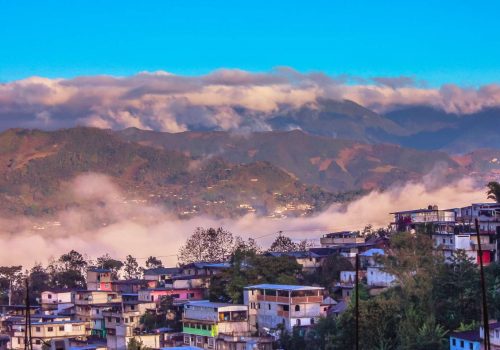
(156, 294)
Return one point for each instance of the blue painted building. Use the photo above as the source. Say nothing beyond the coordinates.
(469, 340)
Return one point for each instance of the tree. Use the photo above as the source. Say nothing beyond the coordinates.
(153, 262)
(331, 268)
(456, 292)
(208, 245)
(73, 261)
(11, 284)
(494, 191)
(134, 344)
(107, 262)
(39, 280)
(284, 244)
(68, 271)
(248, 268)
(131, 268)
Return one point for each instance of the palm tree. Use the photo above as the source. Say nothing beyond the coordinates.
(494, 191)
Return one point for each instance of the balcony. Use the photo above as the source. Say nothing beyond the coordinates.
(274, 299)
(303, 300)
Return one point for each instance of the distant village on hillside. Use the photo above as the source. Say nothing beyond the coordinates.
(183, 307)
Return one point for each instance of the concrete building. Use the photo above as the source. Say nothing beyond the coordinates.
(124, 321)
(160, 276)
(204, 321)
(90, 306)
(45, 332)
(494, 335)
(377, 277)
(57, 300)
(340, 238)
(271, 305)
(98, 279)
(182, 294)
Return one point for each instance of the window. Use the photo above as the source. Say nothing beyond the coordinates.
(49, 296)
(152, 298)
(117, 319)
(258, 305)
(298, 322)
(461, 343)
(312, 320)
(61, 328)
(471, 346)
(50, 329)
(297, 307)
(269, 306)
(38, 342)
(38, 329)
(454, 342)
(132, 307)
(109, 319)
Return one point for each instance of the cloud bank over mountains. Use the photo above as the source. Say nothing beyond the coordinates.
(104, 223)
(225, 99)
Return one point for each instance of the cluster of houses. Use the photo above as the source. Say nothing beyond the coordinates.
(454, 229)
(110, 312)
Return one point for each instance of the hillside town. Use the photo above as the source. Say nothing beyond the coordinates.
(198, 305)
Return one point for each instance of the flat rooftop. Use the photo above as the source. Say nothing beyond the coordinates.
(290, 287)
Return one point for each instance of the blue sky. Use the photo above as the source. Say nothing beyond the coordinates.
(437, 41)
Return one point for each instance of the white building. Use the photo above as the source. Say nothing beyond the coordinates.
(271, 305)
(44, 332)
(494, 335)
(57, 300)
(376, 277)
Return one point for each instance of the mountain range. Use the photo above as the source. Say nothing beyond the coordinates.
(224, 174)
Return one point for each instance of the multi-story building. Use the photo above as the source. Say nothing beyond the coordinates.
(271, 305)
(124, 321)
(182, 294)
(45, 332)
(204, 321)
(99, 279)
(454, 229)
(340, 238)
(90, 306)
(488, 216)
(57, 300)
(128, 286)
(160, 276)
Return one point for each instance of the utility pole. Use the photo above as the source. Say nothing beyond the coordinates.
(486, 321)
(27, 320)
(356, 305)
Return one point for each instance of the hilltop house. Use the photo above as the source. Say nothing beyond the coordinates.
(454, 229)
